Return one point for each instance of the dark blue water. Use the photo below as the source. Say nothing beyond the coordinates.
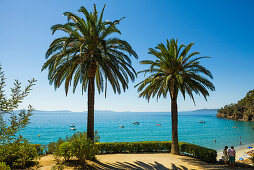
(53, 125)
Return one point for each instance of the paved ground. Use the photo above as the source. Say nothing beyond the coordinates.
(160, 161)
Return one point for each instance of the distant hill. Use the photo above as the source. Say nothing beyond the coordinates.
(52, 111)
(206, 110)
(242, 110)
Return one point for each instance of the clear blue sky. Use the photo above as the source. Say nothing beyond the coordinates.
(220, 29)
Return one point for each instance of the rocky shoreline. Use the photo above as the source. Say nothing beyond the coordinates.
(243, 110)
(234, 116)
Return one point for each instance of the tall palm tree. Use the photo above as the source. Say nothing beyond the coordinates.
(89, 55)
(174, 71)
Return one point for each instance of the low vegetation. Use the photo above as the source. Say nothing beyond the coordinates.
(242, 110)
(199, 152)
(76, 147)
(19, 154)
(67, 150)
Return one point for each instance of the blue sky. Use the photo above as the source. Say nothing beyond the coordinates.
(220, 29)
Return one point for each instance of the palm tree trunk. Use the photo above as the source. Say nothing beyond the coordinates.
(90, 114)
(174, 118)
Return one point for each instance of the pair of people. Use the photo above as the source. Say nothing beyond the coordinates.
(229, 155)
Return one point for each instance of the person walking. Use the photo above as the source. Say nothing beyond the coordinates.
(231, 154)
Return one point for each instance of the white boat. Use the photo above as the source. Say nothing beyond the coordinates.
(136, 123)
(201, 121)
(73, 128)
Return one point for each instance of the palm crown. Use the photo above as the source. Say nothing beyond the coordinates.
(87, 52)
(174, 70)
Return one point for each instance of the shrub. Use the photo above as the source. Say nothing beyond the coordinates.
(50, 147)
(17, 154)
(40, 149)
(53, 147)
(202, 153)
(3, 166)
(83, 148)
(65, 150)
(77, 146)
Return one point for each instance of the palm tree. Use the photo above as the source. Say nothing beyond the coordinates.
(174, 71)
(89, 55)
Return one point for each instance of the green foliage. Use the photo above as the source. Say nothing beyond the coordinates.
(83, 148)
(243, 109)
(65, 150)
(77, 146)
(82, 135)
(87, 51)
(3, 166)
(14, 150)
(18, 154)
(202, 153)
(40, 149)
(134, 147)
(174, 71)
(199, 152)
(16, 122)
(52, 147)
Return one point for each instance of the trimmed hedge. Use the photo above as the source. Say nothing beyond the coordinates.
(199, 152)
(196, 151)
(134, 147)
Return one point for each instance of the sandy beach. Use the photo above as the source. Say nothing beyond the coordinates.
(241, 152)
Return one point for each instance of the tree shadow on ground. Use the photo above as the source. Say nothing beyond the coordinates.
(135, 165)
(210, 166)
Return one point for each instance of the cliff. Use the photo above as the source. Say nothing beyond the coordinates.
(242, 110)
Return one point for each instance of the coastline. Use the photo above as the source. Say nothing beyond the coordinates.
(240, 151)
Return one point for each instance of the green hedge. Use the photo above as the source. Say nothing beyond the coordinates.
(134, 147)
(196, 151)
(199, 152)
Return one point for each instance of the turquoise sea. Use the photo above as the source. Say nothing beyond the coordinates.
(53, 125)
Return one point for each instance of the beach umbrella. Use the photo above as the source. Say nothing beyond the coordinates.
(241, 159)
(249, 147)
(246, 156)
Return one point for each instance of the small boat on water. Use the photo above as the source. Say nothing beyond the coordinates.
(158, 124)
(201, 121)
(73, 128)
(136, 123)
(121, 126)
(72, 125)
